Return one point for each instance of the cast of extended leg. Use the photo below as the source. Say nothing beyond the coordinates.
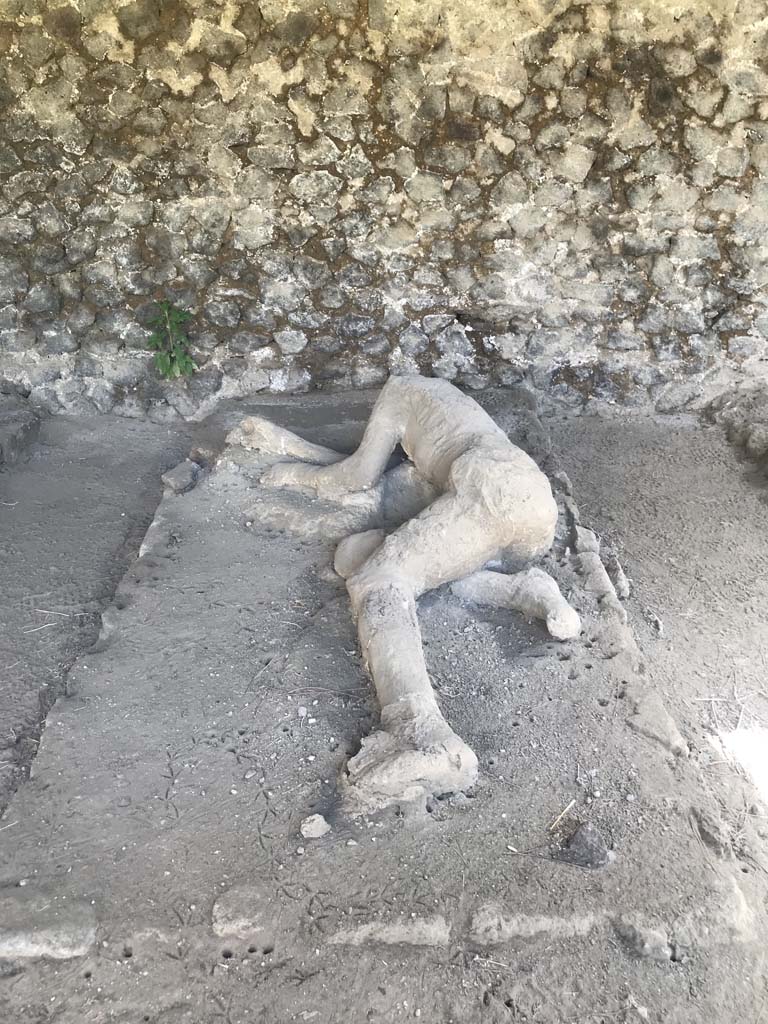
(490, 499)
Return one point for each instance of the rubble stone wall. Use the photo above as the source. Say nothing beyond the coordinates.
(571, 193)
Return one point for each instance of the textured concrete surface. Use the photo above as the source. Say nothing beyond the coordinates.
(573, 192)
(73, 510)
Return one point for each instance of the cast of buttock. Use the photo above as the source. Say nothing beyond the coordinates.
(492, 500)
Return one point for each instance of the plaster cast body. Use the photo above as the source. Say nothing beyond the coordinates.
(488, 499)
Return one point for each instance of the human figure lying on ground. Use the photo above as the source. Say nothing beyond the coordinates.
(493, 501)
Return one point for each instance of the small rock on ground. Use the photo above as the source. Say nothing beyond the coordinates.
(182, 478)
(649, 943)
(585, 848)
(315, 827)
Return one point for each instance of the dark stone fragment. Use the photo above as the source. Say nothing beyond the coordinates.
(96, 170)
(244, 342)
(352, 276)
(35, 46)
(449, 158)
(235, 268)
(222, 48)
(152, 95)
(9, 162)
(63, 23)
(56, 340)
(88, 364)
(334, 247)
(15, 230)
(161, 241)
(48, 258)
(125, 182)
(666, 347)
(197, 270)
(102, 295)
(432, 106)
(69, 286)
(249, 21)
(258, 316)
(461, 129)
(307, 320)
(152, 278)
(102, 394)
(73, 185)
(49, 220)
(354, 326)
(233, 369)
(585, 848)
(223, 313)
(641, 245)
(80, 319)
(182, 478)
(188, 395)
(149, 122)
(709, 57)
(375, 345)
(13, 279)
(140, 20)
(202, 344)
(97, 213)
(7, 96)
(205, 383)
(100, 342)
(115, 76)
(16, 339)
(93, 100)
(662, 99)
(296, 29)
(42, 298)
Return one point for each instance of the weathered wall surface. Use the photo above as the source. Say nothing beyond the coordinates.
(480, 189)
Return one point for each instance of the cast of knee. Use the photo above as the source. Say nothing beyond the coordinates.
(354, 551)
(380, 592)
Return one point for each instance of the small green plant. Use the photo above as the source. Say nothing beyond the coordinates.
(170, 342)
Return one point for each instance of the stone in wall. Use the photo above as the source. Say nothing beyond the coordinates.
(576, 196)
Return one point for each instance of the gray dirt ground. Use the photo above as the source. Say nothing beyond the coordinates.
(72, 514)
(160, 829)
(689, 517)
